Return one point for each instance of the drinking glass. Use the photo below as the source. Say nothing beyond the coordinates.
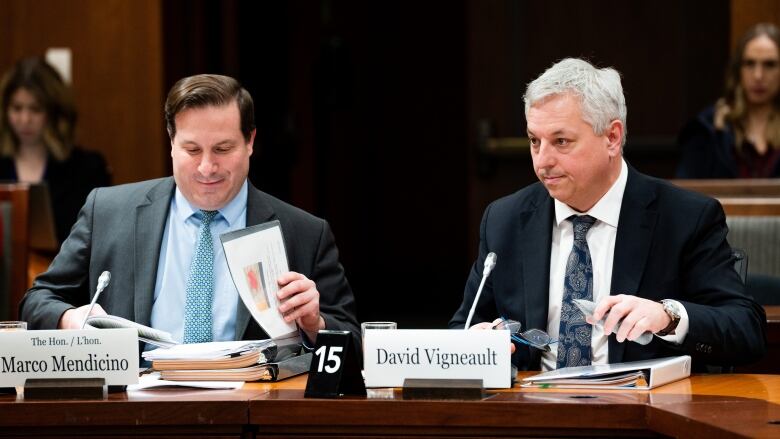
(8, 326)
(376, 393)
(13, 326)
(373, 325)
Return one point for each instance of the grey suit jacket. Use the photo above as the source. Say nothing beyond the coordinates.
(120, 229)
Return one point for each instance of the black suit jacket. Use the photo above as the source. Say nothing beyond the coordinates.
(671, 244)
(120, 229)
(69, 183)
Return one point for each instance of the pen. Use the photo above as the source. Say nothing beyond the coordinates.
(103, 280)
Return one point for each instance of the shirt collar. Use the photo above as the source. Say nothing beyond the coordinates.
(231, 212)
(607, 209)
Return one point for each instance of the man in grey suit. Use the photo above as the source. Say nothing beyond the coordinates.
(147, 235)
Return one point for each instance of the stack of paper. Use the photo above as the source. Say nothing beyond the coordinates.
(259, 372)
(626, 379)
(255, 360)
(244, 359)
(214, 350)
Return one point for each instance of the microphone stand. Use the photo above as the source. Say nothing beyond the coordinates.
(490, 262)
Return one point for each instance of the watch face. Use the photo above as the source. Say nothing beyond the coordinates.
(671, 309)
(674, 315)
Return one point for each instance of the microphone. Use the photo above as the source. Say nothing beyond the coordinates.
(490, 263)
(103, 280)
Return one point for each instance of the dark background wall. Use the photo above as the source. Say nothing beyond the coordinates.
(361, 110)
(117, 72)
(374, 114)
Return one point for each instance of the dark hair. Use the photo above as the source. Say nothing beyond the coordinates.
(205, 90)
(42, 80)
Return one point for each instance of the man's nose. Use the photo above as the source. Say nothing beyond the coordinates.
(544, 156)
(208, 164)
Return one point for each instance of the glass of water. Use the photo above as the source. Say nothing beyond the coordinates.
(376, 393)
(8, 326)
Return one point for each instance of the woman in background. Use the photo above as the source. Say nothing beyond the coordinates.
(740, 136)
(36, 140)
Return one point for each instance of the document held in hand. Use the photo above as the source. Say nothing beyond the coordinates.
(640, 375)
(256, 257)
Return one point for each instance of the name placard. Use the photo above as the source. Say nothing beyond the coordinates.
(107, 353)
(390, 356)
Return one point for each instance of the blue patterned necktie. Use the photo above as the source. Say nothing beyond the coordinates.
(574, 334)
(200, 285)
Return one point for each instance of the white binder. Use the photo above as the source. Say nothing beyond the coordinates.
(639, 375)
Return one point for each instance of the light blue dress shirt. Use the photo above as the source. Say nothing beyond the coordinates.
(173, 267)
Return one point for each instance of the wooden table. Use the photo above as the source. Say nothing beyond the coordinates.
(701, 406)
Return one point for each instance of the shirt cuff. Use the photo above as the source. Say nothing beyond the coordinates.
(307, 344)
(682, 327)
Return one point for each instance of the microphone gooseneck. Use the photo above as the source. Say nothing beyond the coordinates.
(103, 280)
(490, 263)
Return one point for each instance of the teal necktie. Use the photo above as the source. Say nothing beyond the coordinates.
(574, 334)
(200, 285)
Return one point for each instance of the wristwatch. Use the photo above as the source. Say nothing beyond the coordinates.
(673, 311)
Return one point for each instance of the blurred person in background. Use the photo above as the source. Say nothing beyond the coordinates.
(739, 137)
(37, 140)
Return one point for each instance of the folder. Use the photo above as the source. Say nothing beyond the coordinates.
(638, 375)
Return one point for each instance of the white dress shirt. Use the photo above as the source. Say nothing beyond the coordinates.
(601, 244)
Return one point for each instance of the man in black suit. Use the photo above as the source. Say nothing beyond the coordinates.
(145, 234)
(652, 256)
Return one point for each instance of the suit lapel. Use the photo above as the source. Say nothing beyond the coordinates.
(258, 211)
(149, 227)
(535, 232)
(632, 245)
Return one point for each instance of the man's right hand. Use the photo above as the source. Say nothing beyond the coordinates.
(72, 318)
(486, 325)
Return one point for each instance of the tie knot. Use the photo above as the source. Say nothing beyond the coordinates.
(582, 224)
(208, 215)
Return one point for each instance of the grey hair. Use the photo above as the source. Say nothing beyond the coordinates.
(599, 92)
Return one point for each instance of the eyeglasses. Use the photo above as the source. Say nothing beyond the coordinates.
(536, 338)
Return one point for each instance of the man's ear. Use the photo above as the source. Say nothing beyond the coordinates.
(251, 143)
(615, 133)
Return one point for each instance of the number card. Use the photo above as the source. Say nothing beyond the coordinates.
(334, 367)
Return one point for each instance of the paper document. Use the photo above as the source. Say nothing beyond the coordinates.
(256, 257)
(146, 334)
(642, 375)
(152, 380)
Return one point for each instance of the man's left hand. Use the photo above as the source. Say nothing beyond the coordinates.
(300, 302)
(635, 315)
